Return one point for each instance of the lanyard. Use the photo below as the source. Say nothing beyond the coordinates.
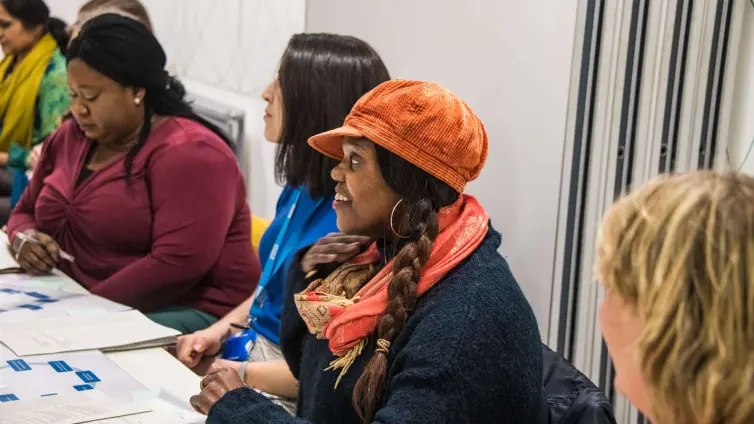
(272, 266)
(269, 266)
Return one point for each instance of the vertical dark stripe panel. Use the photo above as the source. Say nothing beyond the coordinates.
(721, 83)
(676, 79)
(627, 137)
(715, 75)
(581, 147)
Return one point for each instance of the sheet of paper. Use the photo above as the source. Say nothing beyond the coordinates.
(161, 373)
(7, 261)
(56, 284)
(10, 298)
(71, 408)
(58, 374)
(164, 411)
(56, 279)
(175, 408)
(130, 329)
(155, 417)
(32, 304)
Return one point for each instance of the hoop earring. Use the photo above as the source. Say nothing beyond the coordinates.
(392, 227)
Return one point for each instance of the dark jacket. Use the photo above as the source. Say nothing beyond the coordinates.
(469, 353)
(572, 397)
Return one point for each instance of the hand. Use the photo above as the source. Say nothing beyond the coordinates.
(215, 385)
(333, 248)
(33, 159)
(191, 348)
(224, 363)
(37, 257)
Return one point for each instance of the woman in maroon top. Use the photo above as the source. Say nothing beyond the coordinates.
(145, 195)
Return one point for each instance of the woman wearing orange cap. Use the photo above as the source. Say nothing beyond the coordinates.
(427, 324)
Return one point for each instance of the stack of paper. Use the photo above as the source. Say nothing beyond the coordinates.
(155, 417)
(25, 309)
(32, 377)
(70, 408)
(28, 381)
(8, 263)
(108, 332)
(55, 281)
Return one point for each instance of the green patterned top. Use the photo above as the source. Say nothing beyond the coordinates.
(53, 101)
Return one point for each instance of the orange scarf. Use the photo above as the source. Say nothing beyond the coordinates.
(347, 323)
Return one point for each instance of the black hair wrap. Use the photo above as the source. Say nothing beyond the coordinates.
(124, 50)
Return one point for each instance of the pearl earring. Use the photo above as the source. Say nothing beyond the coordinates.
(137, 100)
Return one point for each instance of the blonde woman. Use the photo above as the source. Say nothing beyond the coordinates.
(133, 9)
(677, 260)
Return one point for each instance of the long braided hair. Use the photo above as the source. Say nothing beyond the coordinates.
(127, 52)
(416, 219)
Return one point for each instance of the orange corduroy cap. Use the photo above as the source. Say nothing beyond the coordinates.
(422, 123)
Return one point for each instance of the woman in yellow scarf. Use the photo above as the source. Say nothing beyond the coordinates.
(33, 87)
(133, 9)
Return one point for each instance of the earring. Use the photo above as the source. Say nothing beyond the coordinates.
(137, 101)
(392, 227)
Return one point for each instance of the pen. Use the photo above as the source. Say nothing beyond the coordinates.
(29, 239)
(239, 326)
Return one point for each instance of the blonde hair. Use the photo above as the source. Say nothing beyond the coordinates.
(132, 9)
(681, 251)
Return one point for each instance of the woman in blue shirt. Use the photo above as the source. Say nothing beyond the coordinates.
(321, 77)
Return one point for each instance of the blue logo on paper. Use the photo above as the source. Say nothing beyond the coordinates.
(48, 300)
(32, 307)
(19, 365)
(87, 377)
(60, 366)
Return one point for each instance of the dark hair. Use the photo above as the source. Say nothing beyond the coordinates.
(422, 198)
(127, 52)
(34, 14)
(321, 77)
(135, 8)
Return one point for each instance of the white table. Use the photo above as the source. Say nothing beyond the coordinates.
(155, 368)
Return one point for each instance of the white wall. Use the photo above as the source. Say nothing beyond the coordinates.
(262, 190)
(742, 116)
(511, 61)
(227, 50)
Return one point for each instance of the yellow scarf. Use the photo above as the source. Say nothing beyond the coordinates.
(18, 93)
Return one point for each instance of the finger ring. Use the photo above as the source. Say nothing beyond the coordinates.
(201, 384)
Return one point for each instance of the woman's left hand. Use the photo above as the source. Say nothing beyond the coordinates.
(33, 159)
(214, 386)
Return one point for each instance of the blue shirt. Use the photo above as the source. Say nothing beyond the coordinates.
(312, 220)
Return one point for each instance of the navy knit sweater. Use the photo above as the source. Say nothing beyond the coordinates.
(469, 353)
